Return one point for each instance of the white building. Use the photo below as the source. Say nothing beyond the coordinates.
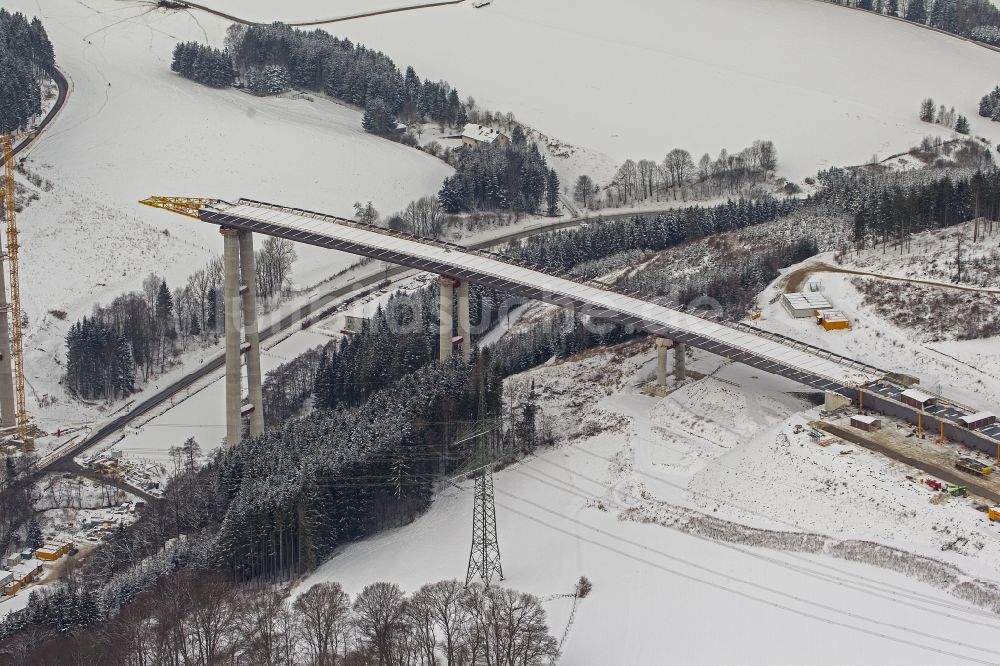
(478, 135)
(805, 304)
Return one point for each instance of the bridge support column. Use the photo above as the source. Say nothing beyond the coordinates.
(446, 317)
(248, 273)
(662, 347)
(8, 417)
(232, 321)
(680, 362)
(464, 327)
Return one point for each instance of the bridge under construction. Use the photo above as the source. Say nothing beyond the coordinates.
(457, 266)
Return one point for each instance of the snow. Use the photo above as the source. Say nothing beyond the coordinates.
(964, 370)
(828, 86)
(623, 507)
(132, 128)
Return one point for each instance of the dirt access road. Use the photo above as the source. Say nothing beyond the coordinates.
(794, 280)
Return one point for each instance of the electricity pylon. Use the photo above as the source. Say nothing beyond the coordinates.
(484, 557)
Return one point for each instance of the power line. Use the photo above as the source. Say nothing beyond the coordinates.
(759, 515)
(799, 569)
(739, 593)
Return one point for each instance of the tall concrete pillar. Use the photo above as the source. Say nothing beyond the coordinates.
(680, 362)
(446, 316)
(8, 409)
(248, 273)
(464, 327)
(231, 312)
(662, 347)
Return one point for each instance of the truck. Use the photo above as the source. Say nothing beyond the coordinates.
(973, 466)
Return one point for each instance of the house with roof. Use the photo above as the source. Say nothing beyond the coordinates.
(479, 135)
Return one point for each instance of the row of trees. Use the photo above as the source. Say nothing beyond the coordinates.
(139, 333)
(978, 19)
(26, 57)
(566, 249)
(678, 176)
(206, 620)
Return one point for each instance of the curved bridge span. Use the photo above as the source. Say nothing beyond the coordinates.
(770, 353)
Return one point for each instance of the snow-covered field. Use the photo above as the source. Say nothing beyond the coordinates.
(636, 79)
(132, 128)
(623, 506)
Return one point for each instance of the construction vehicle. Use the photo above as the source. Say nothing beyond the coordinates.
(12, 311)
(973, 466)
(993, 513)
(957, 491)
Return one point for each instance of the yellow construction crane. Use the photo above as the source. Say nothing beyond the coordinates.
(16, 328)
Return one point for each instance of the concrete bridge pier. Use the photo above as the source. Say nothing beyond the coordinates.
(446, 317)
(662, 348)
(239, 299)
(464, 328)
(232, 324)
(248, 273)
(680, 362)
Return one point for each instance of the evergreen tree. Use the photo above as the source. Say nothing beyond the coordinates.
(962, 125)
(892, 8)
(927, 110)
(378, 119)
(916, 11)
(164, 304)
(552, 194)
(35, 539)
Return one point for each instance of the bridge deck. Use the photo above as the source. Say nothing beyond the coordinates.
(808, 365)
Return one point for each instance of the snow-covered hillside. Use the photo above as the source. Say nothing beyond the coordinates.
(631, 508)
(132, 128)
(828, 86)
(966, 370)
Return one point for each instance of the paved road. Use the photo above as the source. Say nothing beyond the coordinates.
(286, 325)
(348, 17)
(63, 85)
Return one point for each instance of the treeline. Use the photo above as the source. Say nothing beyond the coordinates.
(26, 57)
(976, 19)
(565, 249)
(139, 333)
(270, 59)
(493, 177)
(889, 208)
(678, 176)
(203, 64)
(206, 619)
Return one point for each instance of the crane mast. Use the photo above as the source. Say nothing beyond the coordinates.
(13, 309)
